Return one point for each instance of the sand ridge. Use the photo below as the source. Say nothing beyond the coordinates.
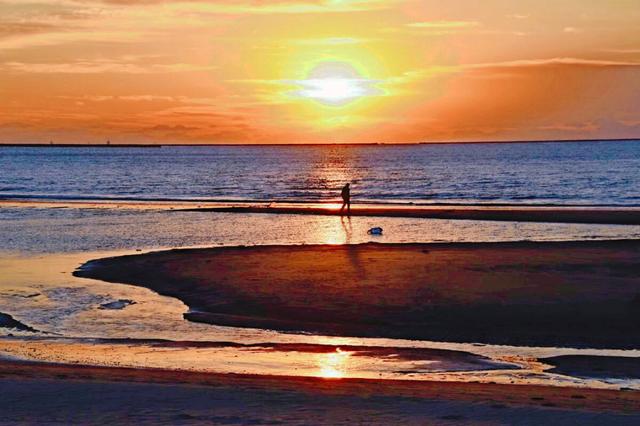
(525, 293)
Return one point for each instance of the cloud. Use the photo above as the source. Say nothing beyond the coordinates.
(443, 25)
(131, 98)
(571, 30)
(630, 123)
(14, 29)
(25, 24)
(568, 127)
(68, 37)
(552, 62)
(260, 6)
(331, 41)
(100, 66)
(214, 126)
(623, 51)
(164, 128)
(40, 23)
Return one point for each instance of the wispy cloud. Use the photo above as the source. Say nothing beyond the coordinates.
(552, 62)
(104, 66)
(517, 16)
(331, 41)
(571, 30)
(259, 6)
(622, 51)
(571, 127)
(68, 37)
(16, 29)
(443, 25)
(630, 123)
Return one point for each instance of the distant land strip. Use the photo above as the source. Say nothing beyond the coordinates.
(83, 145)
(152, 145)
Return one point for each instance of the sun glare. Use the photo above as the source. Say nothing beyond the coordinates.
(335, 83)
(332, 90)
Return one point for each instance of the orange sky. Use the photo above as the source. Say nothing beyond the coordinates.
(283, 71)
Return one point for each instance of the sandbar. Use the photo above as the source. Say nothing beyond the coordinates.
(566, 294)
(613, 215)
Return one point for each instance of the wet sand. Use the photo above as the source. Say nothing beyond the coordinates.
(33, 393)
(535, 294)
(600, 215)
(511, 213)
(609, 367)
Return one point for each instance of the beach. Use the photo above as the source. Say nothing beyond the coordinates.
(147, 301)
(92, 395)
(374, 331)
(331, 212)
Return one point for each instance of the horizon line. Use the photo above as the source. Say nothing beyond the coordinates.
(160, 145)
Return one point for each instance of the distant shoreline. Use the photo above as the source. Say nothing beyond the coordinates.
(73, 145)
(151, 145)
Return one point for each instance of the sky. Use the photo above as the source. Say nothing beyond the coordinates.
(318, 71)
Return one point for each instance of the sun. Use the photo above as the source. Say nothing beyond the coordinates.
(332, 90)
(335, 83)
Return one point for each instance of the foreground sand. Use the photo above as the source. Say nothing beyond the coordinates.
(58, 394)
(582, 294)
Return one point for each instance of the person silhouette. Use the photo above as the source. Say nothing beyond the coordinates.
(346, 199)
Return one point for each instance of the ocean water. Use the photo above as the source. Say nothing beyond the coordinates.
(582, 173)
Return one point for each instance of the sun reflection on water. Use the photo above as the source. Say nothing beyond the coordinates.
(333, 365)
(336, 230)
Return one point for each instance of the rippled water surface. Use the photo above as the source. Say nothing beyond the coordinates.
(521, 173)
(55, 230)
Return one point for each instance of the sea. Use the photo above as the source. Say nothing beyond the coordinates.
(550, 173)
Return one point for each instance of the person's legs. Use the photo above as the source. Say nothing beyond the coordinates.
(349, 207)
(344, 203)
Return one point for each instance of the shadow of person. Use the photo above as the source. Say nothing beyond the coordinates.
(347, 228)
(351, 249)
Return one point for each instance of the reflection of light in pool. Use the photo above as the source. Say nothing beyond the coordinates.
(333, 365)
(335, 230)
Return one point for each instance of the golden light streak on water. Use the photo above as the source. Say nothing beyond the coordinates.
(334, 365)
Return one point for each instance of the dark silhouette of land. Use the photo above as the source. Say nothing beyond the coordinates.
(386, 143)
(80, 145)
